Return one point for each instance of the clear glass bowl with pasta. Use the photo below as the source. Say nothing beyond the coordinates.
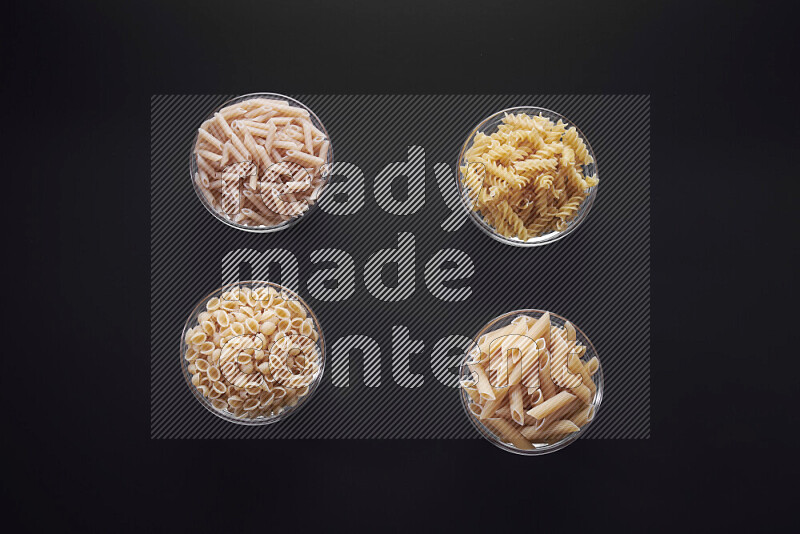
(261, 162)
(527, 176)
(543, 394)
(252, 352)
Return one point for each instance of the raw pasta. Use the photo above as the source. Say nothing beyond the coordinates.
(526, 382)
(239, 358)
(527, 178)
(261, 162)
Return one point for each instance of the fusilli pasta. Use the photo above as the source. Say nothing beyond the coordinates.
(527, 178)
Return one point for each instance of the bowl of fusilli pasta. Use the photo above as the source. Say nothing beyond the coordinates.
(252, 352)
(527, 176)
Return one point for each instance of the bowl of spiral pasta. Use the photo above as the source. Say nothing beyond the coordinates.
(531, 382)
(252, 352)
(527, 176)
(261, 162)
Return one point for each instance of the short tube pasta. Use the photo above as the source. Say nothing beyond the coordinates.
(577, 367)
(545, 381)
(237, 153)
(511, 434)
(532, 408)
(551, 405)
(582, 416)
(239, 359)
(515, 402)
(482, 380)
(551, 432)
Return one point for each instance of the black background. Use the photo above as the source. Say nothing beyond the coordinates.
(77, 86)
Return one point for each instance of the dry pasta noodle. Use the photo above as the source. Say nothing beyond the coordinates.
(261, 162)
(510, 388)
(527, 178)
(242, 362)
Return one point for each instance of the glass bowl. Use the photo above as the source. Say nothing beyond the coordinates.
(291, 221)
(225, 414)
(488, 126)
(466, 374)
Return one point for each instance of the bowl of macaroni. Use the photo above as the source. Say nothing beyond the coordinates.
(531, 382)
(261, 162)
(252, 352)
(527, 176)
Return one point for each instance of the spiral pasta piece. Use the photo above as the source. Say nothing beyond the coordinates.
(542, 222)
(535, 165)
(570, 208)
(514, 220)
(572, 140)
(500, 153)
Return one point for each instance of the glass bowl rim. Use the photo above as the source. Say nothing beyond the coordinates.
(329, 161)
(490, 436)
(584, 210)
(205, 402)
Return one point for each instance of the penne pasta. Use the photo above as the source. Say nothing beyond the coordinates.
(232, 137)
(529, 366)
(540, 328)
(569, 332)
(280, 121)
(552, 432)
(488, 410)
(261, 133)
(482, 382)
(308, 136)
(559, 370)
(303, 158)
(577, 367)
(208, 155)
(469, 387)
(545, 381)
(289, 111)
(582, 393)
(511, 434)
(551, 405)
(259, 111)
(509, 383)
(323, 150)
(592, 366)
(515, 402)
(287, 144)
(582, 416)
(210, 139)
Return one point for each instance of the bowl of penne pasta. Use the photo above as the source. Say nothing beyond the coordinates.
(531, 382)
(261, 162)
(252, 352)
(527, 176)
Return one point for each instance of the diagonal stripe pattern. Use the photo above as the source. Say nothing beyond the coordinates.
(598, 277)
